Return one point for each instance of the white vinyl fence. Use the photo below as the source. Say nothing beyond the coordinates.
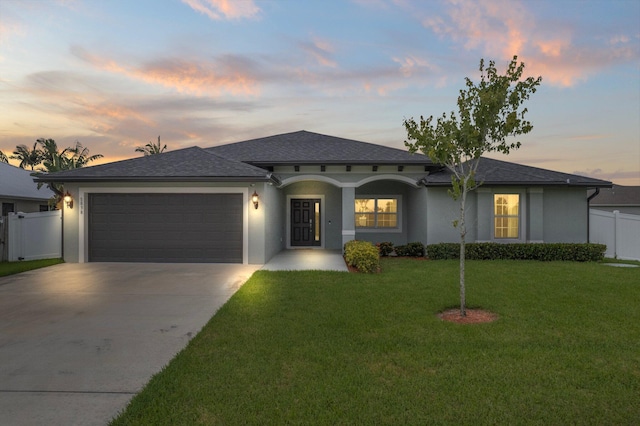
(619, 231)
(34, 235)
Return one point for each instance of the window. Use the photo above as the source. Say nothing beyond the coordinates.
(376, 212)
(7, 208)
(506, 215)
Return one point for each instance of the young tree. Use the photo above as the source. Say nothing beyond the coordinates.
(488, 113)
(151, 148)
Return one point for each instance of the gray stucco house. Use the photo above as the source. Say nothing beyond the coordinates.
(625, 199)
(18, 192)
(246, 201)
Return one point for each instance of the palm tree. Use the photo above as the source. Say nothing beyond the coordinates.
(80, 157)
(151, 148)
(27, 157)
(3, 157)
(69, 158)
(52, 159)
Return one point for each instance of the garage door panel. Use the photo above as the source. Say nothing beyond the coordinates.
(166, 228)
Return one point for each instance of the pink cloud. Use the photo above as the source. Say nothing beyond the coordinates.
(224, 9)
(494, 26)
(228, 74)
(500, 29)
(321, 51)
(100, 115)
(409, 65)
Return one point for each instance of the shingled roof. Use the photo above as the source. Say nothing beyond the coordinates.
(618, 195)
(304, 147)
(17, 183)
(247, 161)
(496, 172)
(189, 164)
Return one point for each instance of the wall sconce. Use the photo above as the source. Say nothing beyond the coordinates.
(254, 198)
(68, 199)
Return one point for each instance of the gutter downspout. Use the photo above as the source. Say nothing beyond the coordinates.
(589, 198)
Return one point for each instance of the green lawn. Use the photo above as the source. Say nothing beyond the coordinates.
(336, 348)
(10, 268)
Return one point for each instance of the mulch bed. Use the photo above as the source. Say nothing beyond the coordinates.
(474, 316)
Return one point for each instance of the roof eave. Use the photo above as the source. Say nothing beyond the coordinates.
(339, 163)
(23, 198)
(585, 185)
(121, 179)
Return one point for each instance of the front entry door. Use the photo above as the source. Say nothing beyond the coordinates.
(305, 222)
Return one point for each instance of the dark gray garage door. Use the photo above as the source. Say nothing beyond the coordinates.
(165, 228)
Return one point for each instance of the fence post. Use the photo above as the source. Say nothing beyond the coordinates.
(616, 232)
(4, 236)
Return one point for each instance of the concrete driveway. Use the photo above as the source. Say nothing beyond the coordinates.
(77, 341)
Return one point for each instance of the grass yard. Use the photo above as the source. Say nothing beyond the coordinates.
(10, 268)
(336, 348)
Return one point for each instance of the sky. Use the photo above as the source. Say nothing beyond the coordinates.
(114, 75)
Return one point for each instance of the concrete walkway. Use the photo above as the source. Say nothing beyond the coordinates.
(78, 341)
(307, 259)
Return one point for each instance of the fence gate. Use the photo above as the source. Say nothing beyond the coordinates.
(34, 235)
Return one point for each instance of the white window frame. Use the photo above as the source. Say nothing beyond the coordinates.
(395, 229)
(521, 217)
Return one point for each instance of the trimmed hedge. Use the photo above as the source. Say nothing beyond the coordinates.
(385, 248)
(362, 255)
(415, 249)
(521, 251)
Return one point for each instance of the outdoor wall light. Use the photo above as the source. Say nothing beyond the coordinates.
(68, 199)
(254, 198)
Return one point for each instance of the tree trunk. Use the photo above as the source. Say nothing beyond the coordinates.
(463, 233)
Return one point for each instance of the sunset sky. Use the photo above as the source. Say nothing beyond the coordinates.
(115, 74)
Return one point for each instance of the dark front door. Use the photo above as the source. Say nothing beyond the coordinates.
(305, 222)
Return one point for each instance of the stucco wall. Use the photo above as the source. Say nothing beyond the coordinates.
(70, 226)
(565, 215)
(442, 210)
(24, 206)
(417, 220)
(274, 220)
(547, 214)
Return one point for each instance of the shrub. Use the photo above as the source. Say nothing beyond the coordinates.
(415, 249)
(520, 251)
(385, 248)
(362, 255)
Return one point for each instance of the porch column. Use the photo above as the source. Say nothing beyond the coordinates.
(348, 214)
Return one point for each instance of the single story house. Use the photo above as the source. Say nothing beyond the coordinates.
(244, 202)
(18, 192)
(625, 199)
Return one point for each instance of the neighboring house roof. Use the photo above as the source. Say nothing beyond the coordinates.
(496, 172)
(17, 183)
(189, 164)
(304, 147)
(618, 195)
